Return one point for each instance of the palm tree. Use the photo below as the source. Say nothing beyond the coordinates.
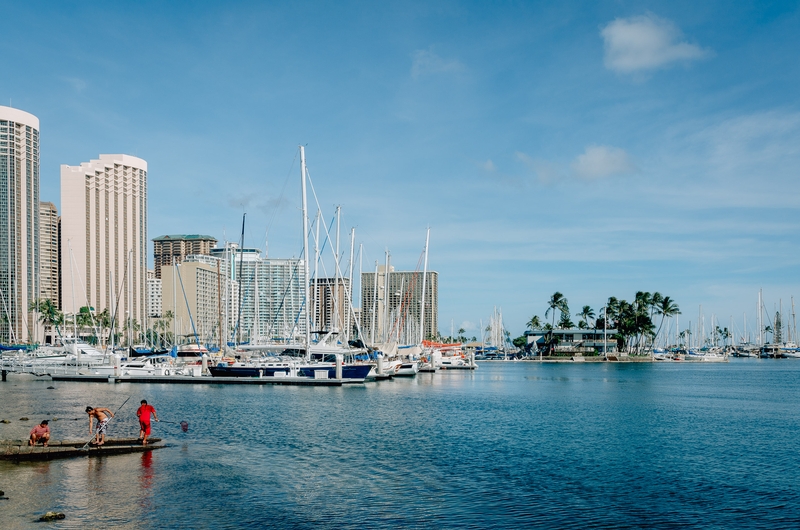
(534, 323)
(557, 301)
(666, 308)
(585, 314)
(49, 314)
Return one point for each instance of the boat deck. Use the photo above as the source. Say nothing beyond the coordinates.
(19, 450)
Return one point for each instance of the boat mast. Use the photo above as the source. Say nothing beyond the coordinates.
(350, 285)
(305, 247)
(424, 286)
(760, 327)
(317, 305)
(374, 306)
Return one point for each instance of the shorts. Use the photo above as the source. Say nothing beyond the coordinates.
(101, 426)
(145, 426)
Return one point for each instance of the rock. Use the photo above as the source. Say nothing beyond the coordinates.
(54, 419)
(2, 493)
(23, 419)
(52, 516)
(51, 388)
(5, 421)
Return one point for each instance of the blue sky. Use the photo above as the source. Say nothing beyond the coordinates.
(591, 148)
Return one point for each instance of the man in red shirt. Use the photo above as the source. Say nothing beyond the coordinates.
(40, 432)
(144, 420)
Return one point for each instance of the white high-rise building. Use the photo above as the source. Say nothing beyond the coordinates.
(19, 224)
(104, 237)
(153, 295)
(266, 295)
(48, 252)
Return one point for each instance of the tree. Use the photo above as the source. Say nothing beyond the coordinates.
(666, 307)
(556, 302)
(565, 322)
(49, 314)
(585, 314)
(534, 323)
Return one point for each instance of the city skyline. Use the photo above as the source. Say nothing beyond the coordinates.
(596, 149)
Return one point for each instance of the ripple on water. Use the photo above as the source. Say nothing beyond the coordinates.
(511, 445)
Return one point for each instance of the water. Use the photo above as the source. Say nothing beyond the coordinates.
(510, 445)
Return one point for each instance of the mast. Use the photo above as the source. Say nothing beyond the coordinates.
(316, 313)
(424, 286)
(305, 246)
(374, 306)
(350, 284)
(760, 326)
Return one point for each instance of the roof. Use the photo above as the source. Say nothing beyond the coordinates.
(573, 331)
(184, 237)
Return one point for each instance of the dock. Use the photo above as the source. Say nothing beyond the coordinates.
(19, 450)
(202, 380)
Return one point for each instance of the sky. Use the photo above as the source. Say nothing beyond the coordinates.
(592, 148)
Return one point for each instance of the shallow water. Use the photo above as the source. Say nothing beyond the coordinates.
(510, 445)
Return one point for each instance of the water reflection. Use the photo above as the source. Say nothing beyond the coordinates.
(510, 445)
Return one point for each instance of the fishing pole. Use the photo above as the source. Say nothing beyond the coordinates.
(113, 415)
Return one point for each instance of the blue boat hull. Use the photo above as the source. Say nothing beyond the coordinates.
(352, 372)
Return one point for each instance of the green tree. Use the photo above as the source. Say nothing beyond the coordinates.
(49, 314)
(534, 323)
(557, 302)
(586, 314)
(667, 308)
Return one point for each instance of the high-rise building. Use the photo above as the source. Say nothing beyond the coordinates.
(396, 315)
(153, 295)
(19, 224)
(330, 304)
(191, 293)
(171, 249)
(48, 252)
(104, 237)
(265, 295)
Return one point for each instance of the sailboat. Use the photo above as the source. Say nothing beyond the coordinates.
(322, 359)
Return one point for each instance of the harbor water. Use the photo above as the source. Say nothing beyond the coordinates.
(513, 444)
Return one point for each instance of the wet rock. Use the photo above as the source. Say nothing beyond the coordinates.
(23, 419)
(2, 493)
(52, 516)
(5, 421)
(51, 388)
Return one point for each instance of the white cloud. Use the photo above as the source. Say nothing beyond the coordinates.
(601, 161)
(426, 62)
(489, 166)
(646, 43)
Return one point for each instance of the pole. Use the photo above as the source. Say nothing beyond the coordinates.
(305, 246)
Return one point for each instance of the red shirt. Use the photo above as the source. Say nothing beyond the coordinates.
(40, 430)
(144, 413)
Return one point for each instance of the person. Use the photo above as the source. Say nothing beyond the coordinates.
(143, 413)
(40, 432)
(103, 415)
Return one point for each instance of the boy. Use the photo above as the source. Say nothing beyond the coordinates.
(40, 432)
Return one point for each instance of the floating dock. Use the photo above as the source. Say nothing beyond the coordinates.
(203, 380)
(19, 450)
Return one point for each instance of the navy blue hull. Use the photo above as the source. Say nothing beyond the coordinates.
(355, 372)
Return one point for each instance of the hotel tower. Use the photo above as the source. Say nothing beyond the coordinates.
(104, 237)
(19, 224)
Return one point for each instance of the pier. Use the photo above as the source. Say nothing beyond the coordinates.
(19, 450)
(203, 380)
